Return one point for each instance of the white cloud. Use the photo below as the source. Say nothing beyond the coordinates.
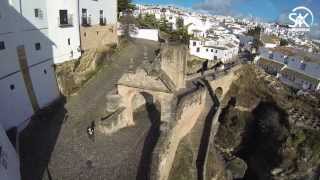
(216, 6)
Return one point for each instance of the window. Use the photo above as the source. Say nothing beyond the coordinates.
(303, 66)
(194, 43)
(45, 71)
(69, 41)
(36, 13)
(63, 17)
(84, 17)
(2, 46)
(211, 50)
(215, 58)
(216, 51)
(271, 56)
(102, 19)
(198, 49)
(37, 46)
(12, 87)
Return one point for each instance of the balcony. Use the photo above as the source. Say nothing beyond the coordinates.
(86, 21)
(65, 21)
(103, 21)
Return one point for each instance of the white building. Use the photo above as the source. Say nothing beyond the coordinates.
(98, 23)
(219, 48)
(27, 77)
(9, 166)
(64, 32)
(293, 67)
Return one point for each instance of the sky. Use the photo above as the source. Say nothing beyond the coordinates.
(268, 10)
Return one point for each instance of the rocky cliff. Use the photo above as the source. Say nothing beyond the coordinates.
(267, 131)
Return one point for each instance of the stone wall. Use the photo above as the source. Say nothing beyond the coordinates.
(174, 62)
(72, 75)
(97, 36)
(188, 109)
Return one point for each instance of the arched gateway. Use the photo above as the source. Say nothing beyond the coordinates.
(132, 84)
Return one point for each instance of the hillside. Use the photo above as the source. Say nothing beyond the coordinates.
(270, 131)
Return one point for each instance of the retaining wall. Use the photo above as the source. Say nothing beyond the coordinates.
(188, 109)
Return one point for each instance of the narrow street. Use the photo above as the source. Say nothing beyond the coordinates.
(56, 146)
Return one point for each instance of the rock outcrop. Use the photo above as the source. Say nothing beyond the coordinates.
(270, 128)
(72, 75)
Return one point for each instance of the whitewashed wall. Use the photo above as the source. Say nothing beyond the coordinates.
(61, 50)
(44, 83)
(15, 106)
(8, 157)
(149, 34)
(207, 52)
(23, 28)
(109, 8)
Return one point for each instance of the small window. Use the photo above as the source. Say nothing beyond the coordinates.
(211, 50)
(216, 51)
(198, 49)
(69, 41)
(45, 71)
(36, 12)
(207, 50)
(194, 43)
(303, 66)
(37, 46)
(84, 34)
(2, 46)
(12, 87)
(271, 56)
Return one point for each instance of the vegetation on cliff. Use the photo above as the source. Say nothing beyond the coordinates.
(271, 128)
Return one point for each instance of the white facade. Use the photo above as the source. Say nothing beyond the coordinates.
(295, 71)
(25, 26)
(63, 18)
(206, 50)
(148, 34)
(95, 10)
(9, 166)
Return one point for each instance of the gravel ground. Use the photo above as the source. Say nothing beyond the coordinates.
(56, 146)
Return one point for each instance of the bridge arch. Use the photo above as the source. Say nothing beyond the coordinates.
(132, 98)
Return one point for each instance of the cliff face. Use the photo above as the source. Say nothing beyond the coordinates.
(270, 131)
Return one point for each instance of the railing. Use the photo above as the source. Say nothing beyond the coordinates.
(86, 21)
(103, 21)
(66, 22)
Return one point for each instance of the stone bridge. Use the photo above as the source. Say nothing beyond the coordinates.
(163, 83)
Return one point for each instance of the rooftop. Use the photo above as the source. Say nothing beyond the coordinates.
(270, 39)
(291, 51)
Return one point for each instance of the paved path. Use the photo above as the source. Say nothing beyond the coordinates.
(57, 147)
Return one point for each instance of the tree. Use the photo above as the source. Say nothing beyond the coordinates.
(125, 5)
(255, 33)
(180, 23)
(128, 26)
(284, 42)
(163, 25)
